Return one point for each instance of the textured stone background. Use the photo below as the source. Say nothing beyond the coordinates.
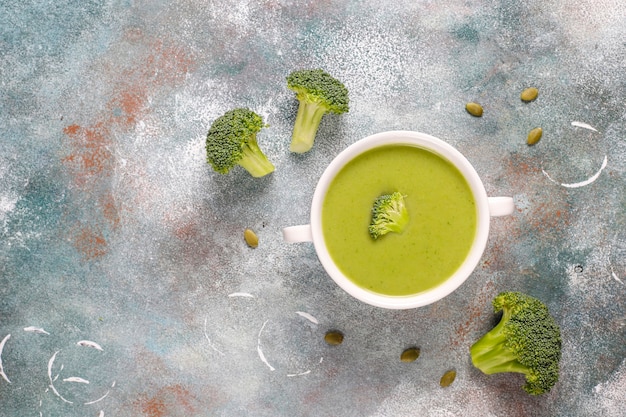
(114, 230)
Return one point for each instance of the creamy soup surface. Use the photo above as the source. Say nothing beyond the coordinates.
(437, 238)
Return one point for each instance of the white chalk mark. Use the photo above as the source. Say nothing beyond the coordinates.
(549, 177)
(307, 316)
(582, 183)
(300, 373)
(106, 394)
(54, 390)
(2, 374)
(260, 351)
(263, 359)
(584, 126)
(70, 379)
(206, 335)
(76, 379)
(60, 370)
(262, 355)
(101, 414)
(90, 344)
(34, 329)
(241, 294)
(613, 274)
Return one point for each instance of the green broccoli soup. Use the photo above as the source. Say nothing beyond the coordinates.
(434, 243)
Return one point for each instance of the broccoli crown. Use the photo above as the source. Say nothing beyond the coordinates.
(232, 141)
(318, 86)
(527, 340)
(389, 214)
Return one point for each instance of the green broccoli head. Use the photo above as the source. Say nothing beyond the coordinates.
(527, 340)
(318, 93)
(232, 141)
(389, 214)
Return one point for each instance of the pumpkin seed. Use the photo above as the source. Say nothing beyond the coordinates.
(474, 109)
(410, 354)
(448, 378)
(529, 94)
(333, 338)
(534, 136)
(251, 238)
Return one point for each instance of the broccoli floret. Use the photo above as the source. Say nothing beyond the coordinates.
(318, 93)
(232, 141)
(527, 340)
(389, 214)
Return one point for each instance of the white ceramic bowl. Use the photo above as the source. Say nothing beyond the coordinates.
(485, 206)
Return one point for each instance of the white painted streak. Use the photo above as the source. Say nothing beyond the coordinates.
(582, 183)
(54, 390)
(262, 356)
(90, 344)
(300, 373)
(241, 294)
(101, 414)
(584, 126)
(76, 379)
(260, 351)
(613, 274)
(2, 374)
(307, 316)
(99, 399)
(549, 177)
(206, 335)
(34, 329)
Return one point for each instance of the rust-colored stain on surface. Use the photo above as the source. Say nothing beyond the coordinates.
(91, 146)
(131, 103)
(90, 155)
(90, 242)
(110, 209)
(170, 400)
(548, 207)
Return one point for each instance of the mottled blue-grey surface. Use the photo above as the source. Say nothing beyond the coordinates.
(115, 233)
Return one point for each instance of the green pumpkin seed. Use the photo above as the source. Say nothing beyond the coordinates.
(448, 378)
(410, 354)
(529, 94)
(251, 238)
(534, 136)
(474, 109)
(333, 338)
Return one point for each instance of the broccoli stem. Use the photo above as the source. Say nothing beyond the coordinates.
(254, 160)
(398, 221)
(305, 127)
(490, 354)
(495, 358)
